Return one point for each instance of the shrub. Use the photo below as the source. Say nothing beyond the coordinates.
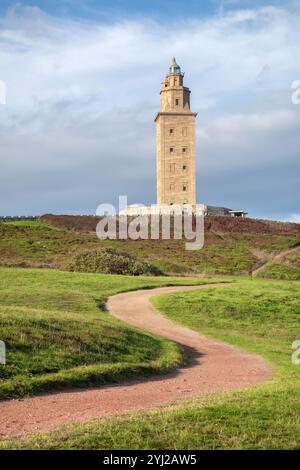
(111, 261)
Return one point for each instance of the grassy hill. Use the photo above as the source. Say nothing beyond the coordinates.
(58, 333)
(232, 246)
(285, 265)
(259, 316)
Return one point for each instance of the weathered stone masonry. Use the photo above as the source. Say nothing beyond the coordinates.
(175, 142)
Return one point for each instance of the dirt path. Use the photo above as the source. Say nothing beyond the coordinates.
(273, 258)
(213, 367)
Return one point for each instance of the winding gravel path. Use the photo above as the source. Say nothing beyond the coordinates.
(213, 366)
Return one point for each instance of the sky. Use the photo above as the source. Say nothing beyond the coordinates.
(82, 88)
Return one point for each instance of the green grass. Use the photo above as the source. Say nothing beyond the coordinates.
(58, 335)
(26, 223)
(287, 267)
(260, 316)
(38, 244)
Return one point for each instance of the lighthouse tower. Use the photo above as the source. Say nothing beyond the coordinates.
(175, 142)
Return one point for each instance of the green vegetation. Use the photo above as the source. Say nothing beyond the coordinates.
(36, 244)
(112, 261)
(58, 333)
(260, 316)
(25, 223)
(286, 266)
(59, 243)
(228, 256)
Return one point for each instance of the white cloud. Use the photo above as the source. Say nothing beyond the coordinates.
(252, 140)
(294, 218)
(81, 97)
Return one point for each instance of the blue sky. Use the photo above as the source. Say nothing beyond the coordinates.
(83, 81)
(111, 10)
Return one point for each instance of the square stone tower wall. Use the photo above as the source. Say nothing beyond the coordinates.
(175, 142)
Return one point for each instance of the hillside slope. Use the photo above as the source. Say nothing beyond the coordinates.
(232, 245)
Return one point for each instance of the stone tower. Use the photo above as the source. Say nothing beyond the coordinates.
(175, 142)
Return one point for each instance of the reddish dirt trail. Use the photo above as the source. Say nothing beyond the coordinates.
(213, 367)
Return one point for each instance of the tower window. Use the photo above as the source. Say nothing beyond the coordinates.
(171, 149)
(176, 101)
(184, 167)
(184, 150)
(184, 187)
(171, 131)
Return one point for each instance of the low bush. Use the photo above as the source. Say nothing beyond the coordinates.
(111, 261)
